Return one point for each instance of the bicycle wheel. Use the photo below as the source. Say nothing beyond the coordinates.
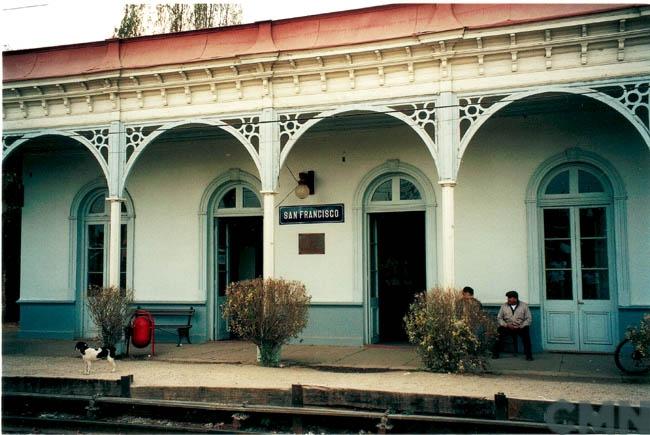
(629, 360)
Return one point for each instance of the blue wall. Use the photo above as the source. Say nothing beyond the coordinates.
(630, 316)
(47, 319)
(336, 324)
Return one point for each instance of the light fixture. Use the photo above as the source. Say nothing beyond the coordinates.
(305, 185)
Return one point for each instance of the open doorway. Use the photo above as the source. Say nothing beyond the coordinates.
(398, 269)
(238, 257)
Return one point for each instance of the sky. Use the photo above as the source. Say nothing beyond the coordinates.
(41, 23)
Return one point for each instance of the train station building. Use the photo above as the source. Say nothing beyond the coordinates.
(371, 154)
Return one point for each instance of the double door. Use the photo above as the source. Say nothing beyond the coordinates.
(579, 293)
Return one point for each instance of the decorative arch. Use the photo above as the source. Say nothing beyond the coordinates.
(94, 150)
(206, 236)
(139, 146)
(410, 121)
(360, 228)
(619, 197)
(587, 92)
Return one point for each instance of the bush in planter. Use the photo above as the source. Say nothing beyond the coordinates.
(110, 309)
(267, 312)
(451, 335)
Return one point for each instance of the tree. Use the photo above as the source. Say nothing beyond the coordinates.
(144, 19)
(131, 24)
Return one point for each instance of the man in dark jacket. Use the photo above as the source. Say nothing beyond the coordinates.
(514, 320)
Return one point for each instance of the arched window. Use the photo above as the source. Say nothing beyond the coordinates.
(91, 217)
(394, 190)
(95, 235)
(577, 256)
(238, 199)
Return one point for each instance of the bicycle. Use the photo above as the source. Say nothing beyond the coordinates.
(632, 355)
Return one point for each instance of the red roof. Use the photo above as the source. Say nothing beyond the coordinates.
(302, 33)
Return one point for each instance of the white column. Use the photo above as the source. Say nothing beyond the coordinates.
(114, 242)
(448, 252)
(269, 234)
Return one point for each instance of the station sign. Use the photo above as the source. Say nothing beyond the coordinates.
(312, 214)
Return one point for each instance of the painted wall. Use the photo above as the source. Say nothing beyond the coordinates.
(51, 178)
(166, 184)
(330, 277)
(491, 229)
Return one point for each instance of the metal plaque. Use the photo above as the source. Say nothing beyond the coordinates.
(312, 243)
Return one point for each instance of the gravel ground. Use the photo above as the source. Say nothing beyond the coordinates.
(157, 373)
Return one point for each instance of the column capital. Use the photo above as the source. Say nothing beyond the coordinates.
(115, 199)
(268, 192)
(447, 183)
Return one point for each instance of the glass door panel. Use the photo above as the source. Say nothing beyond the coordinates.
(558, 254)
(123, 255)
(95, 256)
(593, 253)
(222, 230)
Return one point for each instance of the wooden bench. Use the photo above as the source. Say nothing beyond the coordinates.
(181, 327)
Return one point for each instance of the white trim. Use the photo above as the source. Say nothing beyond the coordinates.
(360, 227)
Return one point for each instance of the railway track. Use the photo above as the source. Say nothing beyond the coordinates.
(28, 412)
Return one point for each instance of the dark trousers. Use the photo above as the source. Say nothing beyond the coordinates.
(504, 332)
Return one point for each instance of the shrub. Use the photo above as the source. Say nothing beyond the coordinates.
(451, 335)
(267, 312)
(110, 309)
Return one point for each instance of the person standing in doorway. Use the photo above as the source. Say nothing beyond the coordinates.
(514, 320)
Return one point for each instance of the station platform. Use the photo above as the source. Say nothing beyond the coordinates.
(551, 376)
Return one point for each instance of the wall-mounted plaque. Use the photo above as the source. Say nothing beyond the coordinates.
(311, 214)
(313, 243)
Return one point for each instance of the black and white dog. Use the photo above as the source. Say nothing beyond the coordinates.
(90, 354)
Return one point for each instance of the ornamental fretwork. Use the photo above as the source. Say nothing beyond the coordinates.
(291, 124)
(135, 136)
(9, 141)
(470, 110)
(422, 114)
(634, 96)
(248, 127)
(98, 138)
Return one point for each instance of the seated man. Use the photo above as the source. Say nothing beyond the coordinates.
(514, 320)
(467, 306)
(468, 297)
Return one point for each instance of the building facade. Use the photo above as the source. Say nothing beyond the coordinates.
(497, 146)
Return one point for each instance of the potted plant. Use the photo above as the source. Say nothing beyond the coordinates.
(268, 312)
(110, 309)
